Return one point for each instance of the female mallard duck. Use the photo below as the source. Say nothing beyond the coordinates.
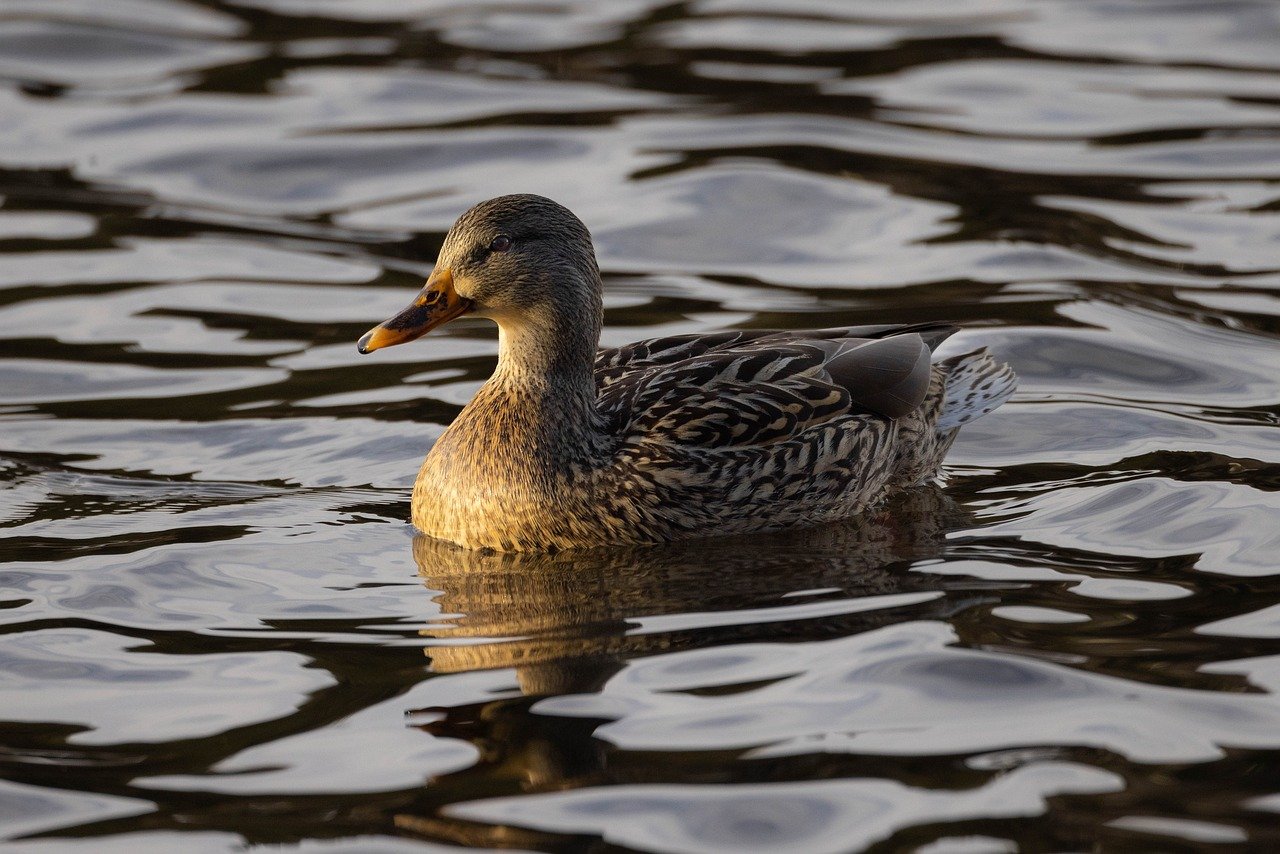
(566, 446)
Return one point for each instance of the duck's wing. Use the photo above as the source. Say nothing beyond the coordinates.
(753, 388)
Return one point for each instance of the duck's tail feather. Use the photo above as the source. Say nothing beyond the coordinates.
(977, 383)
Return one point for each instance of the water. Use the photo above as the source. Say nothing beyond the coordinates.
(215, 616)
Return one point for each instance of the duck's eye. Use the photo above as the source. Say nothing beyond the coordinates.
(501, 243)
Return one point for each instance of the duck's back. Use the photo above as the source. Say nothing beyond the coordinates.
(755, 430)
(878, 369)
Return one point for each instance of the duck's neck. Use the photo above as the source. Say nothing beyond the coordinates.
(544, 385)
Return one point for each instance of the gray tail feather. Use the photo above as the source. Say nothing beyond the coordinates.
(976, 384)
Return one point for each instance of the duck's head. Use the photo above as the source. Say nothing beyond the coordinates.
(519, 260)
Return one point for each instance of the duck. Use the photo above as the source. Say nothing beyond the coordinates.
(570, 446)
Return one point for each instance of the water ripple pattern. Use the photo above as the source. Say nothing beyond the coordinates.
(213, 615)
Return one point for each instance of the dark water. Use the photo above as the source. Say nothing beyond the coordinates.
(214, 614)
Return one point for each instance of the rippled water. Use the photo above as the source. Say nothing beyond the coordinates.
(214, 613)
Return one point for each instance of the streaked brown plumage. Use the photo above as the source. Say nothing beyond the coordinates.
(569, 447)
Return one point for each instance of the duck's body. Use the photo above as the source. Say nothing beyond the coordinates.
(567, 447)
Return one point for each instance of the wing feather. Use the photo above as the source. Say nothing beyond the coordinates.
(758, 387)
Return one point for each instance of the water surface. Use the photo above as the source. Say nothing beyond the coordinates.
(215, 616)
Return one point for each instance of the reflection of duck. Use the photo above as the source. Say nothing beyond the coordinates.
(567, 621)
(664, 439)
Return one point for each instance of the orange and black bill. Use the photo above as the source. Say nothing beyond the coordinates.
(435, 305)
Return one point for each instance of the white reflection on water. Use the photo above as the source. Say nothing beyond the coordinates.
(212, 606)
(819, 817)
(904, 689)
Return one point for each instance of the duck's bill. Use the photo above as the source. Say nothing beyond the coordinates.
(436, 304)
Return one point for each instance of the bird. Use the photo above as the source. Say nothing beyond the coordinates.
(570, 446)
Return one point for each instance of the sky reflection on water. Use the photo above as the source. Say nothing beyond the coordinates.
(214, 614)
